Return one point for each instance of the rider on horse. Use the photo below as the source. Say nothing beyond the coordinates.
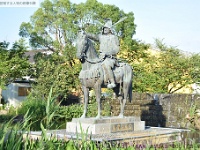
(109, 47)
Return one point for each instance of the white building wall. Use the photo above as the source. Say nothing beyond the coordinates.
(11, 96)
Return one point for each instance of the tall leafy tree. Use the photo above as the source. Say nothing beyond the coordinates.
(53, 70)
(54, 26)
(194, 71)
(174, 68)
(167, 71)
(13, 63)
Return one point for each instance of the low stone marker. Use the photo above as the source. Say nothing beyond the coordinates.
(105, 125)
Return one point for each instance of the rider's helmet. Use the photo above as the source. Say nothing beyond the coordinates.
(109, 25)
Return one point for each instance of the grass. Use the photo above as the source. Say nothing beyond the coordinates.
(12, 135)
(12, 139)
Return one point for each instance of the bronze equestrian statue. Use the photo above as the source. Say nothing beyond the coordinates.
(109, 47)
(103, 70)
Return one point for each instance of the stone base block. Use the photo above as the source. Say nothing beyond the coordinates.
(105, 125)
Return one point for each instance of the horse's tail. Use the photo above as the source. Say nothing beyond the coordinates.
(130, 94)
(128, 78)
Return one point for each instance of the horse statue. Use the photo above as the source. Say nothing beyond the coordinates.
(92, 75)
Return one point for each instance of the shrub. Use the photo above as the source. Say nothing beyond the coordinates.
(48, 111)
(69, 112)
(5, 118)
(35, 107)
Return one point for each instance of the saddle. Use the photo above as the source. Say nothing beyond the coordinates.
(116, 70)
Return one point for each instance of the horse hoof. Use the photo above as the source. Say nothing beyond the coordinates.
(121, 116)
(83, 116)
(98, 117)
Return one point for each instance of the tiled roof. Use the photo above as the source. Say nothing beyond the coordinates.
(32, 53)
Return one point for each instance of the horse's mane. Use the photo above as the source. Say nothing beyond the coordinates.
(92, 53)
(88, 49)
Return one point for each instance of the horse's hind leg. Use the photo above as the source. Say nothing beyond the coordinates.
(123, 99)
(98, 98)
(122, 105)
(86, 96)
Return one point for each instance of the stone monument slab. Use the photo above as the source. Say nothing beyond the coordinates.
(105, 125)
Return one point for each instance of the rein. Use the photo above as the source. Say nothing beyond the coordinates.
(89, 60)
(93, 61)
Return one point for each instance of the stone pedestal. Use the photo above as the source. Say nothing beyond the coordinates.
(105, 125)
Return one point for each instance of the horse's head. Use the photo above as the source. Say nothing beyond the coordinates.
(81, 45)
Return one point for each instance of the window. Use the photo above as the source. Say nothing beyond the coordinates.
(23, 91)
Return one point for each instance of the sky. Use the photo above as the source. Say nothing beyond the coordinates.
(176, 22)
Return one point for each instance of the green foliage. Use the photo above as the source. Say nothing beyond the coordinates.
(176, 69)
(92, 107)
(93, 10)
(195, 67)
(194, 117)
(53, 20)
(166, 71)
(71, 111)
(134, 52)
(54, 26)
(11, 138)
(5, 118)
(192, 110)
(55, 71)
(13, 62)
(54, 116)
(75, 111)
(35, 106)
(16, 136)
(45, 112)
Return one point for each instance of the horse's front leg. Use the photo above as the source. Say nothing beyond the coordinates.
(122, 105)
(86, 97)
(123, 100)
(98, 98)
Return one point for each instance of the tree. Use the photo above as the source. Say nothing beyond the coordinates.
(54, 26)
(167, 71)
(195, 68)
(176, 68)
(13, 62)
(53, 71)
